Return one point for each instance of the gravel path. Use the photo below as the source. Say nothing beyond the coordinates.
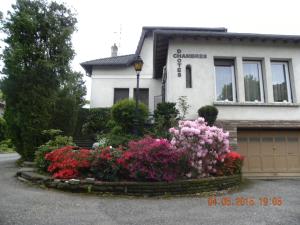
(22, 204)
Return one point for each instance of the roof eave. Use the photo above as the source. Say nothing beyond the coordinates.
(89, 68)
(252, 36)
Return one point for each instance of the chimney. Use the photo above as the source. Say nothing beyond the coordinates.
(114, 50)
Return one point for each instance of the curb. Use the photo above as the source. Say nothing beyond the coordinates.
(89, 185)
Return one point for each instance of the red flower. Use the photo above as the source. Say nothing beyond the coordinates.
(107, 163)
(231, 164)
(234, 155)
(68, 162)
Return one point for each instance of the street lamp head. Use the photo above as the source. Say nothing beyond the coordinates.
(138, 64)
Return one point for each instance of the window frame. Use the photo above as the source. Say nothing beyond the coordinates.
(261, 80)
(114, 99)
(233, 78)
(186, 78)
(287, 77)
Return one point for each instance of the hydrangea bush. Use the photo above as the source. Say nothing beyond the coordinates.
(203, 144)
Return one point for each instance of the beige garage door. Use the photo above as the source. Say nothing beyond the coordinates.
(270, 152)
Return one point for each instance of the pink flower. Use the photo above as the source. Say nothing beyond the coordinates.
(205, 144)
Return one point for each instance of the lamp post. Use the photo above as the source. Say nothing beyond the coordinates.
(138, 65)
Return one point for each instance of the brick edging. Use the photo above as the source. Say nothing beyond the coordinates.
(182, 187)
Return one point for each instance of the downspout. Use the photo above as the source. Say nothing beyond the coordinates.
(163, 86)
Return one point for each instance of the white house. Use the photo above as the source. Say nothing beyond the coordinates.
(253, 80)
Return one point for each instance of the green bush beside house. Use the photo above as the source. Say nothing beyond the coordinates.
(124, 115)
(209, 113)
(165, 117)
(125, 124)
(96, 121)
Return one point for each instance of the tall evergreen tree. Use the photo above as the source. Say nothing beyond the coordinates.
(37, 64)
(69, 100)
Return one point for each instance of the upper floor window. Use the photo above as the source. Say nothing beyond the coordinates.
(253, 81)
(225, 80)
(120, 94)
(188, 76)
(281, 82)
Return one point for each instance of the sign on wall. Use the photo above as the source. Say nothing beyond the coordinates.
(179, 56)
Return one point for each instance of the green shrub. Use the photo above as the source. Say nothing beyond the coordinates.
(124, 115)
(56, 141)
(165, 117)
(3, 129)
(51, 134)
(115, 138)
(209, 113)
(97, 121)
(6, 146)
(82, 119)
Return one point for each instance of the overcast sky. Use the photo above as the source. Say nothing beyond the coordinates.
(103, 22)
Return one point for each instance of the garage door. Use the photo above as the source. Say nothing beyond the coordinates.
(270, 152)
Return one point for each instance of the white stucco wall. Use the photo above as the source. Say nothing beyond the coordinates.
(105, 80)
(103, 89)
(203, 77)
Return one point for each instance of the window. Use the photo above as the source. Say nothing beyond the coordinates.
(188, 76)
(143, 95)
(225, 80)
(281, 82)
(120, 94)
(253, 81)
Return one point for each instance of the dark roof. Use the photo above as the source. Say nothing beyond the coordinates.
(162, 35)
(250, 36)
(117, 61)
(149, 31)
(215, 29)
(127, 60)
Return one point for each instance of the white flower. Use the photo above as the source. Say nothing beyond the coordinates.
(189, 175)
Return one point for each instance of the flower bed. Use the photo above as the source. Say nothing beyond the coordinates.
(196, 159)
(195, 151)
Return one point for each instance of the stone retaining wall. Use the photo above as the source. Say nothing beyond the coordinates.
(134, 188)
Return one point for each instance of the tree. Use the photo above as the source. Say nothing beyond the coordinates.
(69, 100)
(37, 64)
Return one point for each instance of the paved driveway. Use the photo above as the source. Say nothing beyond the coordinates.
(22, 204)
